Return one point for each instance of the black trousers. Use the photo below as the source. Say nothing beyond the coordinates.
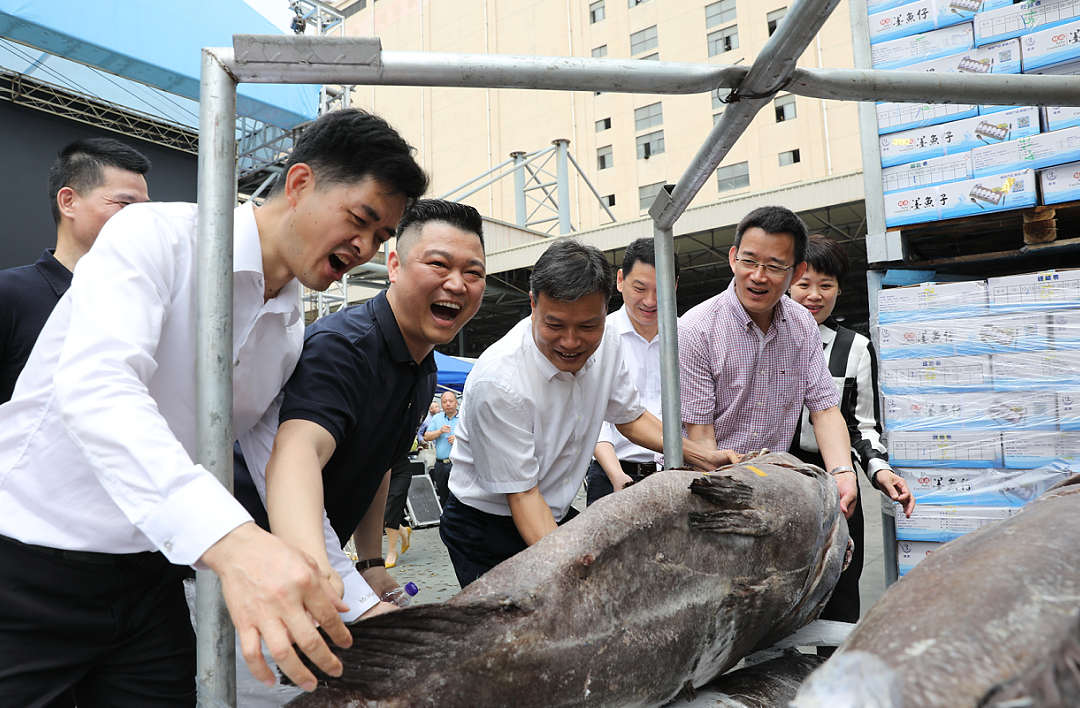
(113, 632)
(478, 541)
(597, 484)
(398, 494)
(440, 475)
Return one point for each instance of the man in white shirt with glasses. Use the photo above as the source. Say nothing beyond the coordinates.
(750, 358)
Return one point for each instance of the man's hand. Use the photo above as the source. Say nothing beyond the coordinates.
(451, 438)
(379, 580)
(444, 430)
(276, 593)
(848, 484)
(621, 481)
(894, 486)
(719, 458)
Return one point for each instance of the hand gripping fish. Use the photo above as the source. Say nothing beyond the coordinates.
(991, 619)
(653, 591)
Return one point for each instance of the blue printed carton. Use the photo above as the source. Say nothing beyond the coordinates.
(925, 15)
(909, 553)
(945, 374)
(1051, 47)
(944, 522)
(1060, 184)
(935, 448)
(982, 487)
(926, 173)
(1028, 450)
(958, 136)
(1031, 152)
(1053, 369)
(1011, 21)
(986, 410)
(922, 47)
(1011, 190)
(960, 337)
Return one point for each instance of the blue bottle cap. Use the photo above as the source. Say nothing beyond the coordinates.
(411, 588)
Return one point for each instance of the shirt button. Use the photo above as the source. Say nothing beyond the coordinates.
(236, 363)
(168, 545)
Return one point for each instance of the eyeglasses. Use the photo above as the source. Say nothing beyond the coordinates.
(750, 266)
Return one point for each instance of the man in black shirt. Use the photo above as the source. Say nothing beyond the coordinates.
(90, 181)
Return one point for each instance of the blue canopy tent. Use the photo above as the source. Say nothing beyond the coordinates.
(452, 372)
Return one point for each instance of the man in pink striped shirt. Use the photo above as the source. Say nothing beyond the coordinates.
(750, 358)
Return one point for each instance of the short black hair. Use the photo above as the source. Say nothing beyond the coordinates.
(81, 166)
(349, 145)
(828, 257)
(775, 220)
(460, 216)
(569, 270)
(643, 250)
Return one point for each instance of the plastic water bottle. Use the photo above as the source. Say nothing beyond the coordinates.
(401, 596)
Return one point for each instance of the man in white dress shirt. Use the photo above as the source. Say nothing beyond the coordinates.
(99, 495)
(617, 462)
(536, 400)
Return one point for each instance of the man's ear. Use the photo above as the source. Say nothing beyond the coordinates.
(65, 200)
(299, 178)
(799, 272)
(393, 265)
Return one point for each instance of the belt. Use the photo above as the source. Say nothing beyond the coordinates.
(446, 461)
(92, 557)
(641, 469)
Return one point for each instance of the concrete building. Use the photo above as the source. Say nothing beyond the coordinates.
(800, 152)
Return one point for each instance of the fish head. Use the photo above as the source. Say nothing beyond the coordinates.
(856, 679)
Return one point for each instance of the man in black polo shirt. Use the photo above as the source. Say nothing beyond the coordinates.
(90, 181)
(361, 389)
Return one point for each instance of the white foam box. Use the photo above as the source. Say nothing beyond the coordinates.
(988, 410)
(973, 335)
(925, 173)
(922, 47)
(1045, 369)
(1064, 329)
(1045, 288)
(1032, 152)
(935, 448)
(947, 374)
(1059, 184)
(925, 15)
(931, 301)
(1031, 449)
(1010, 21)
(909, 553)
(958, 136)
(1053, 46)
(982, 195)
(943, 523)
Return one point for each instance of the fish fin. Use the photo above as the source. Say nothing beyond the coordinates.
(744, 523)
(390, 649)
(688, 692)
(1053, 682)
(724, 491)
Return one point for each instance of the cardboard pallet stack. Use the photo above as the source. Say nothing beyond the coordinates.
(980, 385)
(946, 161)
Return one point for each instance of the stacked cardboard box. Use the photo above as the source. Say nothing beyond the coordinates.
(980, 398)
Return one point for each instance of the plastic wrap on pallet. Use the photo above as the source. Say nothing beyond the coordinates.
(906, 51)
(926, 15)
(1033, 152)
(945, 522)
(1053, 46)
(995, 24)
(1053, 369)
(926, 173)
(932, 301)
(985, 410)
(947, 374)
(1042, 290)
(969, 336)
(939, 448)
(984, 487)
(1031, 449)
(909, 553)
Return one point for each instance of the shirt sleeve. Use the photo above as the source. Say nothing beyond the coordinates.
(501, 439)
(863, 425)
(625, 404)
(121, 296)
(696, 385)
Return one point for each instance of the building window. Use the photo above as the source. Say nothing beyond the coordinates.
(724, 41)
(635, 3)
(719, 13)
(596, 12)
(644, 40)
(600, 51)
(785, 108)
(773, 19)
(609, 200)
(789, 158)
(604, 158)
(655, 56)
(648, 116)
(647, 194)
(732, 177)
(650, 144)
(603, 124)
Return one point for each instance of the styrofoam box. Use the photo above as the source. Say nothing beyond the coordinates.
(1041, 289)
(974, 335)
(1048, 47)
(909, 553)
(1000, 23)
(987, 410)
(1064, 329)
(1059, 184)
(1046, 369)
(924, 173)
(1032, 152)
(1030, 449)
(958, 136)
(935, 300)
(1057, 118)
(958, 448)
(945, 522)
(980, 487)
(982, 195)
(945, 374)
(925, 15)
(922, 47)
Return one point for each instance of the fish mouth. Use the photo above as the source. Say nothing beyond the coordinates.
(446, 312)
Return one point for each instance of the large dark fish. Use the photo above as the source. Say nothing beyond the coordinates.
(660, 587)
(770, 684)
(990, 619)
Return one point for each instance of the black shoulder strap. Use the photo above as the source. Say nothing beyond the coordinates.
(840, 350)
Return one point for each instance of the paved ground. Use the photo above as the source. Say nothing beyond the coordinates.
(427, 565)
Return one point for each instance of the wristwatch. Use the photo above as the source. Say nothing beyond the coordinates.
(841, 470)
(363, 565)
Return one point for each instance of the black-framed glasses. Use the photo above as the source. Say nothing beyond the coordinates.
(750, 265)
